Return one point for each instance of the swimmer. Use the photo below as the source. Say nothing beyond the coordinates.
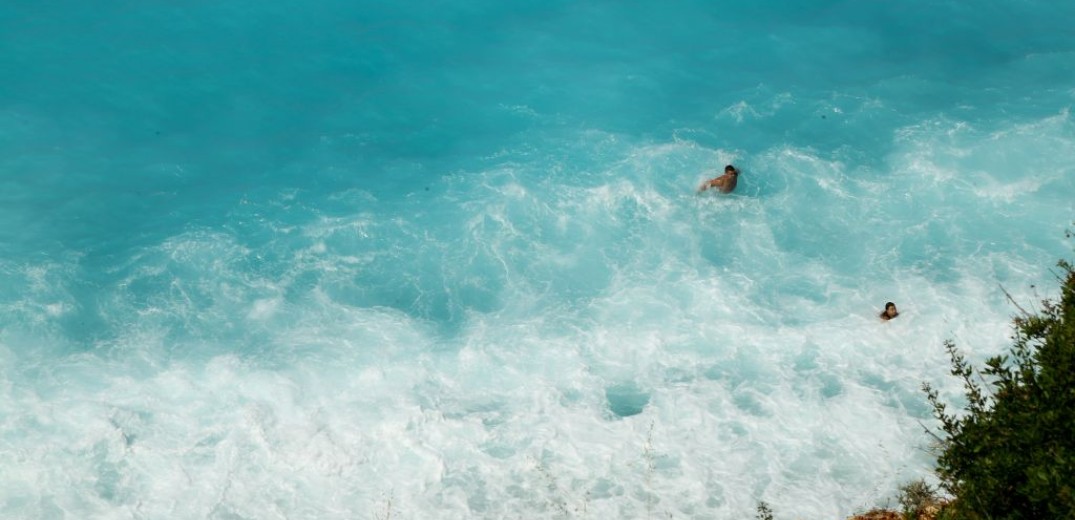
(889, 312)
(725, 183)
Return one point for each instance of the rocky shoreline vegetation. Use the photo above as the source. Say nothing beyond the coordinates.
(1010, 452)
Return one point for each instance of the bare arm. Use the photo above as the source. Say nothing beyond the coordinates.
(711, 183)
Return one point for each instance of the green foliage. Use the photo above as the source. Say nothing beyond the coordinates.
(916, 496)
(1011, 453)
(764, 513)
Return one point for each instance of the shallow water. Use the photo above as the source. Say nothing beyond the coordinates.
(445, 260)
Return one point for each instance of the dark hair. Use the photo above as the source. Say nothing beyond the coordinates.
(730, 168)
(884, 314)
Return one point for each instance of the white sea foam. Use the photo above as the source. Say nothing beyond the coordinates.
(618, 349)
(419, 263)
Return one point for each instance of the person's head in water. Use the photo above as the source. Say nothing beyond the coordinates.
(725, 183)
(889, 312)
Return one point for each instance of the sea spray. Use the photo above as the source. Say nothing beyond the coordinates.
(348, 261)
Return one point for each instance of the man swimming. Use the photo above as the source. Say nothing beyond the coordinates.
(725, 183)
(889, 312)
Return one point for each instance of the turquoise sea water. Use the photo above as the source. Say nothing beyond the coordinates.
(445, 259)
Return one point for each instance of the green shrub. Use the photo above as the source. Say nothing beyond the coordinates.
(764, 512)
(915, 497)
(1011, 453)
